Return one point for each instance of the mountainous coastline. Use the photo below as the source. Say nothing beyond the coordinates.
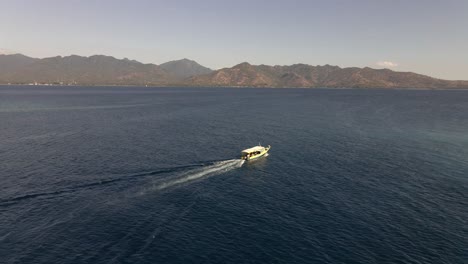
(93, 70)
(307, 76)
(107, 70)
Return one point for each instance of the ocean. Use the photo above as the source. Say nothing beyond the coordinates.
(153, 175)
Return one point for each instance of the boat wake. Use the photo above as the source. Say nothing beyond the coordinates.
(203, 172)
(185, 174)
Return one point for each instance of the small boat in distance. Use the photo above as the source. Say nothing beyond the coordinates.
(254, 152)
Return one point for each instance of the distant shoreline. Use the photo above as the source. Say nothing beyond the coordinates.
(101, 70)
(236, 87)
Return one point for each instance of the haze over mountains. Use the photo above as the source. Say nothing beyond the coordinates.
(93, 70)
(185, 68)
(106, 70)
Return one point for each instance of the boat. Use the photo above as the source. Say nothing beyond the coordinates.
(254, 152)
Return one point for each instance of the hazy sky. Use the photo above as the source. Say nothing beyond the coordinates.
(424, 36)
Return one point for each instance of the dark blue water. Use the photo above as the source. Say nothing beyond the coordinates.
(151, 175)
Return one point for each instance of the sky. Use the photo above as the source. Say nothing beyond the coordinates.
(424, 36)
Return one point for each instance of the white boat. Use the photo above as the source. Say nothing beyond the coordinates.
(254, 152)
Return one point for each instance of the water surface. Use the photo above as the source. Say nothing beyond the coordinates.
(151, 175)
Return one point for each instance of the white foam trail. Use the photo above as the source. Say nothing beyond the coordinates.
(204, 172)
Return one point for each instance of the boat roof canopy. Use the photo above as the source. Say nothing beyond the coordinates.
(253, 149)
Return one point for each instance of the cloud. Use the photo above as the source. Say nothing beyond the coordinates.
(6, 51)
(387, 64)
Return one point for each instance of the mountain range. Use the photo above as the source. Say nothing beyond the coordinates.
(93, 70)
(107, 70)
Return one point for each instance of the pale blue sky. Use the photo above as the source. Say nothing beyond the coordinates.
(424, 36)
